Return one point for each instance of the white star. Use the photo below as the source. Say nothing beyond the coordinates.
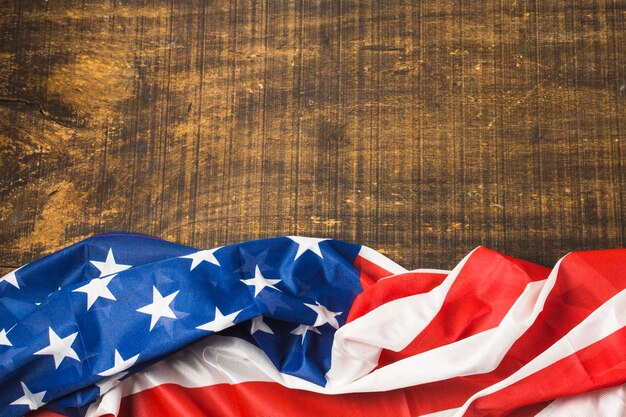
(160, 307)
(4, 339)
(220, 321)
(109, 266)
(324, 315)
(97, 288)
(302, 330)
(258, 325)
(32, 400)
(307, 243)
(203, 255)
(120, 365)
(260, 282)
(59, 348)
(11, 278)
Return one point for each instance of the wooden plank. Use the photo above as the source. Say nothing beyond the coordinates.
(421, 129)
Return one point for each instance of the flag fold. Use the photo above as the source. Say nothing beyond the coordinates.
(131, 325)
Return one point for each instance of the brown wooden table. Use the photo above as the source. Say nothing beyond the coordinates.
(421, 129)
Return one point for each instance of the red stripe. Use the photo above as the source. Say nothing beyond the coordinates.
(259, 399)
(393, 288)
(482, 294)
(370, 272)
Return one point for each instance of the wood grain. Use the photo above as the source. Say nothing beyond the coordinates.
(421, 129)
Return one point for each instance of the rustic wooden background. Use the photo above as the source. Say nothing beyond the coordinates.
(421, 129)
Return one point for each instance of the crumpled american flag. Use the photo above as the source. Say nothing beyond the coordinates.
(130, 325)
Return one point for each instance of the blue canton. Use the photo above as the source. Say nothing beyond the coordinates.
(75, 323)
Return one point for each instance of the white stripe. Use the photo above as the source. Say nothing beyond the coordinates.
(602, 322)
(603, 402)
(381, 260)
(229, 360)
(213, 360)
(219, 360)
(475, 354)
(431, 271)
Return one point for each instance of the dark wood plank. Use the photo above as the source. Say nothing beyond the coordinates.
(421, 129)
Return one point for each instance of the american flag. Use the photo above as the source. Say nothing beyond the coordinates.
(131, 325)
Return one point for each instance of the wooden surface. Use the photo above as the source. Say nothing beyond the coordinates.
(421, 129)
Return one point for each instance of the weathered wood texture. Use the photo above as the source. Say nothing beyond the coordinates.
(421, 129)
